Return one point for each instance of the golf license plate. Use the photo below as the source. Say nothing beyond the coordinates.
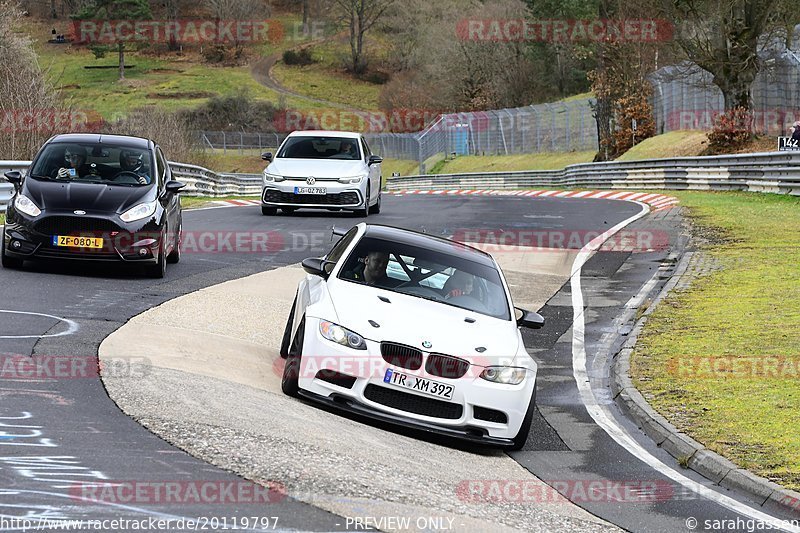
(416, 383)
(310, 190)
(77, 242)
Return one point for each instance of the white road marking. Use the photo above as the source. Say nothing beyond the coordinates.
(72, 326)
(607, 422)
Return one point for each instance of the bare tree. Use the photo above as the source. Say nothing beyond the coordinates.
(723, 37)
(360, 16)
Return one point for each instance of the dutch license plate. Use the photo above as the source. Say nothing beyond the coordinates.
(416, 383)
(77, 242)
(310, 190)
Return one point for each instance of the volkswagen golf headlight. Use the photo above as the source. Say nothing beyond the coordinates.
(352, 179)
(23, 204)
(507, 375)
(268, 177)
(338, 334)
(139, 212)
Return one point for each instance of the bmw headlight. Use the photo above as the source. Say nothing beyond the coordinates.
(23, 204)
(507, 375)
(272, 177)
(139, 212)
(352, 179)
(338, 334)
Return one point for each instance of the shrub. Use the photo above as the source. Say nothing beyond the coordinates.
(233, 112)
(732, 129)
(299, 57)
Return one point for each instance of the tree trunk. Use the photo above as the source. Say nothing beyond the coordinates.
(121, 47)
(306, 29)
(736, 91)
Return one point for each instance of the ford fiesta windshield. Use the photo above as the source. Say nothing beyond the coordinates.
(94, 163)
(320, 148)
(428, 274)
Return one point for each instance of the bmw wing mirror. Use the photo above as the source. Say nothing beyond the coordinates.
(317, 266)
(374, 160)
(267, 156)
(529, 319)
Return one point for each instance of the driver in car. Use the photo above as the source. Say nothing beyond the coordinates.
(75, 159)
(348, 149)
(461, 284)
(133, 161)
(373, 271)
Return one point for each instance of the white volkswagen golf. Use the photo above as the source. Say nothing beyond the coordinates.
(415, 330)
(332, 170)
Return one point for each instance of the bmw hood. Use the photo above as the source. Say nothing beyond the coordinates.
(89, 197)
(319, 168)
(413, 321)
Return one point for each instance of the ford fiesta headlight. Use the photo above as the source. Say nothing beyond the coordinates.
(507, 375)
(139, 212)
(351, 179)
(23, 204)
(338, 334)
(272, 177)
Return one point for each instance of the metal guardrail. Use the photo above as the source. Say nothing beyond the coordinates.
(774, 172)
(199, 181)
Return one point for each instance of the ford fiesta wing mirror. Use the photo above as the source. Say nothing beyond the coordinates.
(174, 186)
(529, 319)
(14, 176)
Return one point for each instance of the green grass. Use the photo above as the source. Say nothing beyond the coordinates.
(326, 79)
(500, 163)
(404, 166)
(747, 311)
(671, 144)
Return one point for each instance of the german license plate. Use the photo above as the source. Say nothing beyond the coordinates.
(77, 242)
(310, 190)
(416, 383)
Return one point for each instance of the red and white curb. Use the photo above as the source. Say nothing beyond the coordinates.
(236, 203)
(655, 201)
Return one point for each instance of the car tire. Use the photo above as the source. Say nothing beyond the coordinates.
(268, 211)
(525, 428)
(159, 270)
(291, 371)
(175, 255)
(8, 262)
(287, 333)
(363, 213)
(288, 210)
(376, 209)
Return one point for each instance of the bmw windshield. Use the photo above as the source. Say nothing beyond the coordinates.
(94, 163)
(416, 271)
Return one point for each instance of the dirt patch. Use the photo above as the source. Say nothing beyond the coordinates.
(185, 95)
(71, 86)
(166, 71)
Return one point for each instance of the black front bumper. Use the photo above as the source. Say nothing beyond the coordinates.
(347, 404)
(32, 239)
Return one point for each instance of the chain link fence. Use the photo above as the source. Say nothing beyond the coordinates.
(685, 97)
(555, 127)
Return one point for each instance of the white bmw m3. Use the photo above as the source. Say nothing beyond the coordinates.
(415, 330)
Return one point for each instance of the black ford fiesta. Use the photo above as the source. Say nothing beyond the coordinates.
(95, 197)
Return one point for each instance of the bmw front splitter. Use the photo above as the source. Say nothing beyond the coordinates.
(349, 405)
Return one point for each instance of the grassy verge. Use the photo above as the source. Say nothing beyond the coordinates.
(326, 79)
(721, 360)
(672, 144)
(193, 202)
(500, 163)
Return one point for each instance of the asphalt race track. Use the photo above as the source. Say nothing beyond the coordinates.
(60, 434)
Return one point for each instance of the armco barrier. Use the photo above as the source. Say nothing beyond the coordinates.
(774, 172)
(199, 181)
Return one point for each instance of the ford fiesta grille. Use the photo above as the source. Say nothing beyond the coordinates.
(401, 355)
(65, 225)
(446, 366)
(334, 199)
(412, 403)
